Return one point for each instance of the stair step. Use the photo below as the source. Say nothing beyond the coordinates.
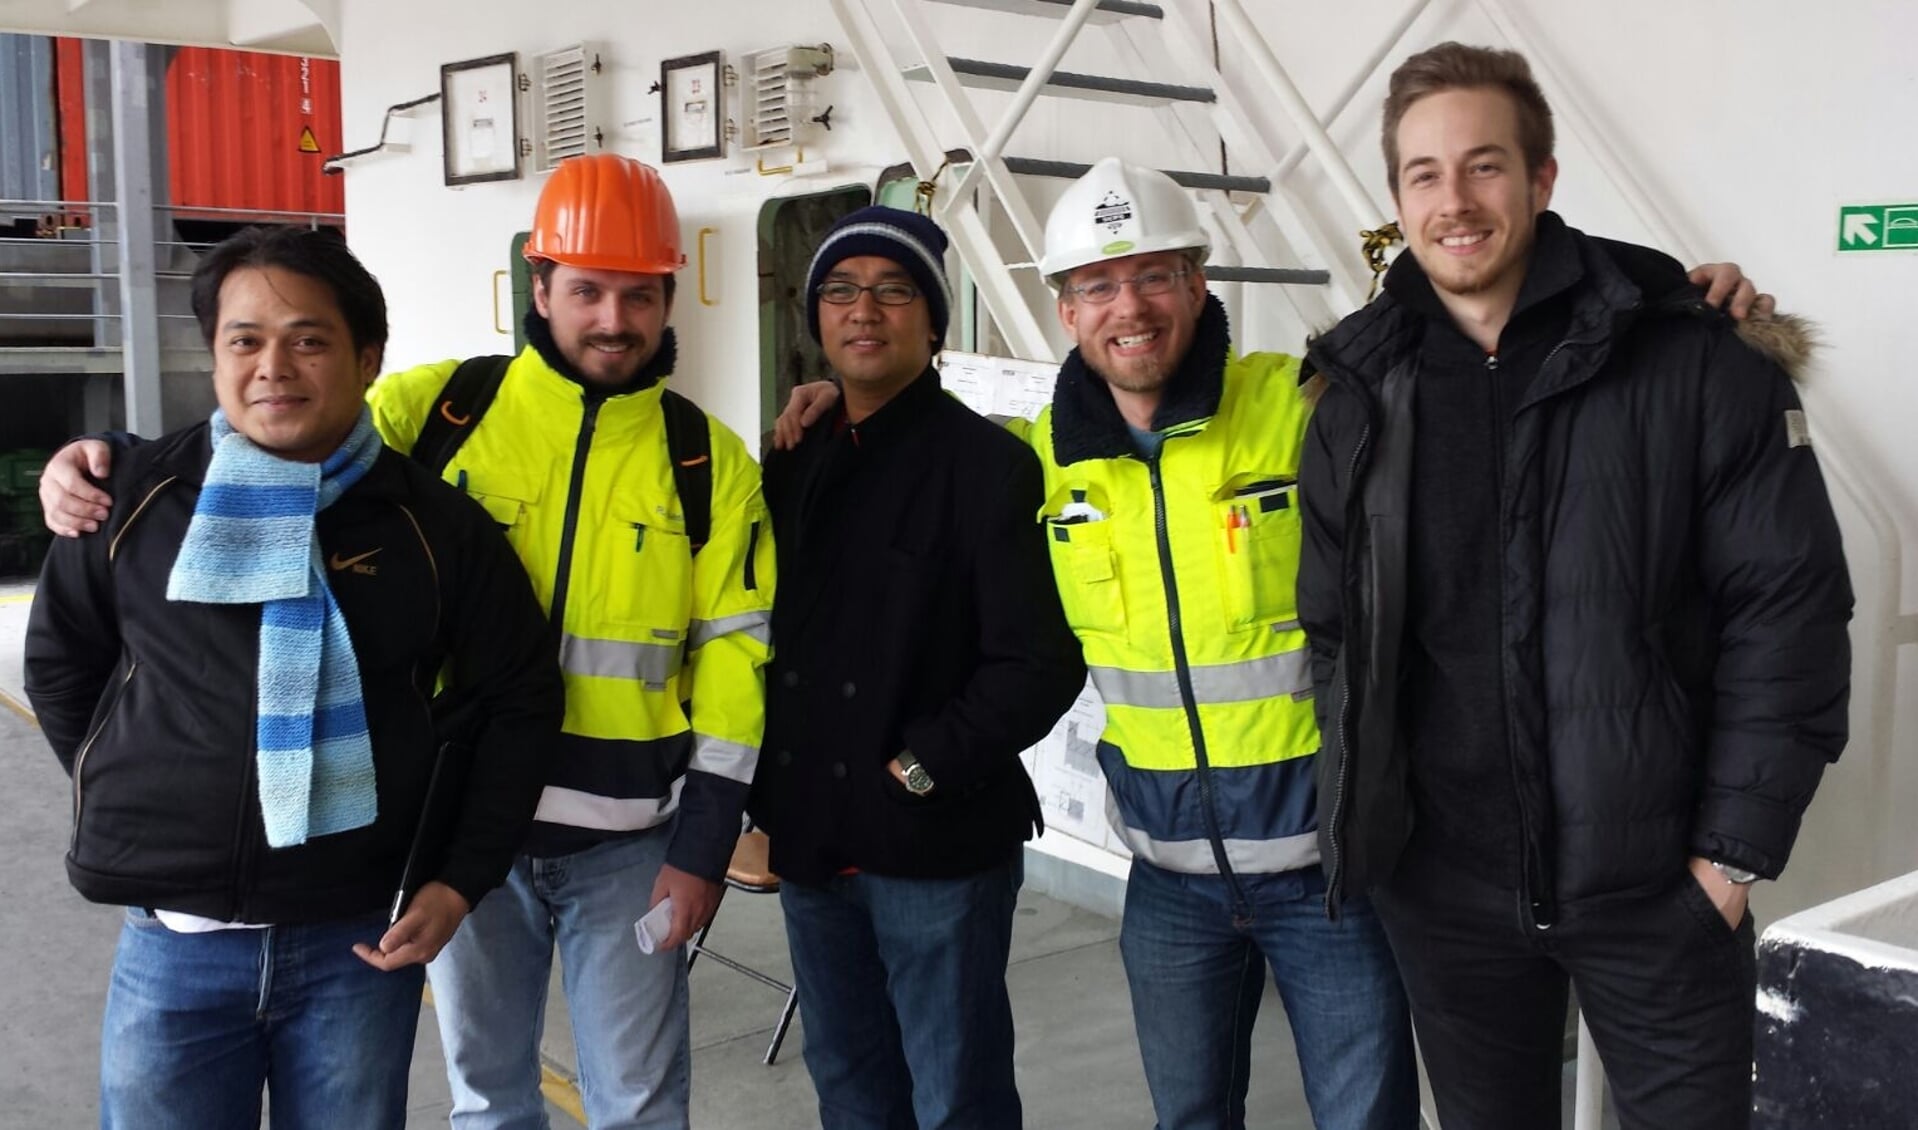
(1095, 88)
(1072, 170)
(1284, 276)
(1108, 11)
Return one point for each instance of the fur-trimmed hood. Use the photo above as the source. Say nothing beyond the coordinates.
(1789, 339)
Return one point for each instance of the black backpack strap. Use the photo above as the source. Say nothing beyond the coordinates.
(464, 399)
(689, 444)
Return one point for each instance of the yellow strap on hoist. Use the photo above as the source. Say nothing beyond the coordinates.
(928, 188)
(1373, 244)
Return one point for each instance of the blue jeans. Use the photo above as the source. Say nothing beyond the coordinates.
(902, 985)
(197, 1023)
(1196, 974)
(628, 1009)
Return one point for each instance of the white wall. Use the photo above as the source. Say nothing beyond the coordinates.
(1750, 122)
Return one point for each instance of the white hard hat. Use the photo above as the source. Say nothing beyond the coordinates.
(1116, 210)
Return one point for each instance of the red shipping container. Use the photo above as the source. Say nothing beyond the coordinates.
(70, 89)
(250, 131)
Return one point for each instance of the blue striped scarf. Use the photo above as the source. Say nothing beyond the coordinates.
(252, 541)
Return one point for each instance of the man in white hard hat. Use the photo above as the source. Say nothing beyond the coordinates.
(1171, 473)
(1171, 477)
(1172, 513)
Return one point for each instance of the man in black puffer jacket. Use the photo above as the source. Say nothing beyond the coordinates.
(1578, 613)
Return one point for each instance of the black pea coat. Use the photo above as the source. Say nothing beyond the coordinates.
(916, 611)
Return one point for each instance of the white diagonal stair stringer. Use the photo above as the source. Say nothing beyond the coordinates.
(1251, 134)
(1010, 308)
(1309, 307)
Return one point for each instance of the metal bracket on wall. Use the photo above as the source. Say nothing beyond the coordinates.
(331, 166)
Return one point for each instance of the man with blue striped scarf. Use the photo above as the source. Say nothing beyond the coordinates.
(237, 677)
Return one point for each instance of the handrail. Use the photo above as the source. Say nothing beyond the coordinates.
(969, 234)
(704, 298)
(91, 276)
(1028, 93)
(1024, 221)
(61, 203)
(10, 204)
(1355, 84)
(1331, 160)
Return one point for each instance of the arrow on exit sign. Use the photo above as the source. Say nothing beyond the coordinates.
(1878, 227)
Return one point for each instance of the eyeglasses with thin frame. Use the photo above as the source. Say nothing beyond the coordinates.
(841, 293)
(1144, 285)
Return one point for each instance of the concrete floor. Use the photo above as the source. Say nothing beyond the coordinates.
(1077, 1060)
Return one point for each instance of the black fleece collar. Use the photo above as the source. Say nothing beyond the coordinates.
(1086, 422)
(539, 334)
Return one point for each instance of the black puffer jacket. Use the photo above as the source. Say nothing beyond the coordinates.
(149, 703)
(1676, 664)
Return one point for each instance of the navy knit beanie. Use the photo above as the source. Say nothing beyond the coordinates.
(907, 238)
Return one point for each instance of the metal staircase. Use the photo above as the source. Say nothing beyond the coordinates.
(1261, 233)
(1265, 228)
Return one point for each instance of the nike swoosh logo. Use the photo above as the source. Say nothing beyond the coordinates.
(337, 563)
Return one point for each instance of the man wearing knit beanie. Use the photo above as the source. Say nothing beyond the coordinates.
(919, 646)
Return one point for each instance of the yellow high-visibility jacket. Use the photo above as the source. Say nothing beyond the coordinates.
(1177, 573)
(583, 487)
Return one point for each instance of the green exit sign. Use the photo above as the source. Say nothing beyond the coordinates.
(1878, 227)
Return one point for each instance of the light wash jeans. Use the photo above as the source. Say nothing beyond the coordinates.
(1196, 965)
(196, 1024)
(628, 1009)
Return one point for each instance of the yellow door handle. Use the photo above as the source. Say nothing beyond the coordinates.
(704, 299)
(497, 327)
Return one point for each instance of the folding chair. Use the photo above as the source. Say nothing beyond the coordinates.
(749, 872)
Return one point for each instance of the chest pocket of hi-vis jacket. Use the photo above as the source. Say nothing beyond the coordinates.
(648, 566)
(1079, 536)
(1257, 533)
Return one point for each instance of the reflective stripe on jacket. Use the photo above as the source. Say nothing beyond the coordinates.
(1177, 574)
(584, 490)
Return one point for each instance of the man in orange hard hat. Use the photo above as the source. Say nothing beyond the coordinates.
(640, 522)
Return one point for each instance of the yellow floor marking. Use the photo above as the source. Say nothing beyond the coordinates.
(18, 707)
(560, 1091)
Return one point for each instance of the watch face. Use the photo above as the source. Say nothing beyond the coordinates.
(918, 780)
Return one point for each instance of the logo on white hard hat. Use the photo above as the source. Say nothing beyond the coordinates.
(1112, 213)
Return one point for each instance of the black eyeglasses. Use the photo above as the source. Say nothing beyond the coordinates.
(1145, 286)
(885, 293)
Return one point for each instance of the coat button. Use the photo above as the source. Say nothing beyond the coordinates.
(790, 678)
(839, 770)
(848, 690)
(784, 758)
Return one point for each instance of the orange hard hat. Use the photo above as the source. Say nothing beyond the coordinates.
(604, 212)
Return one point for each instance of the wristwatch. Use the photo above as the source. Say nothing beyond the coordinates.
(1736, 876)
(918, 781)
